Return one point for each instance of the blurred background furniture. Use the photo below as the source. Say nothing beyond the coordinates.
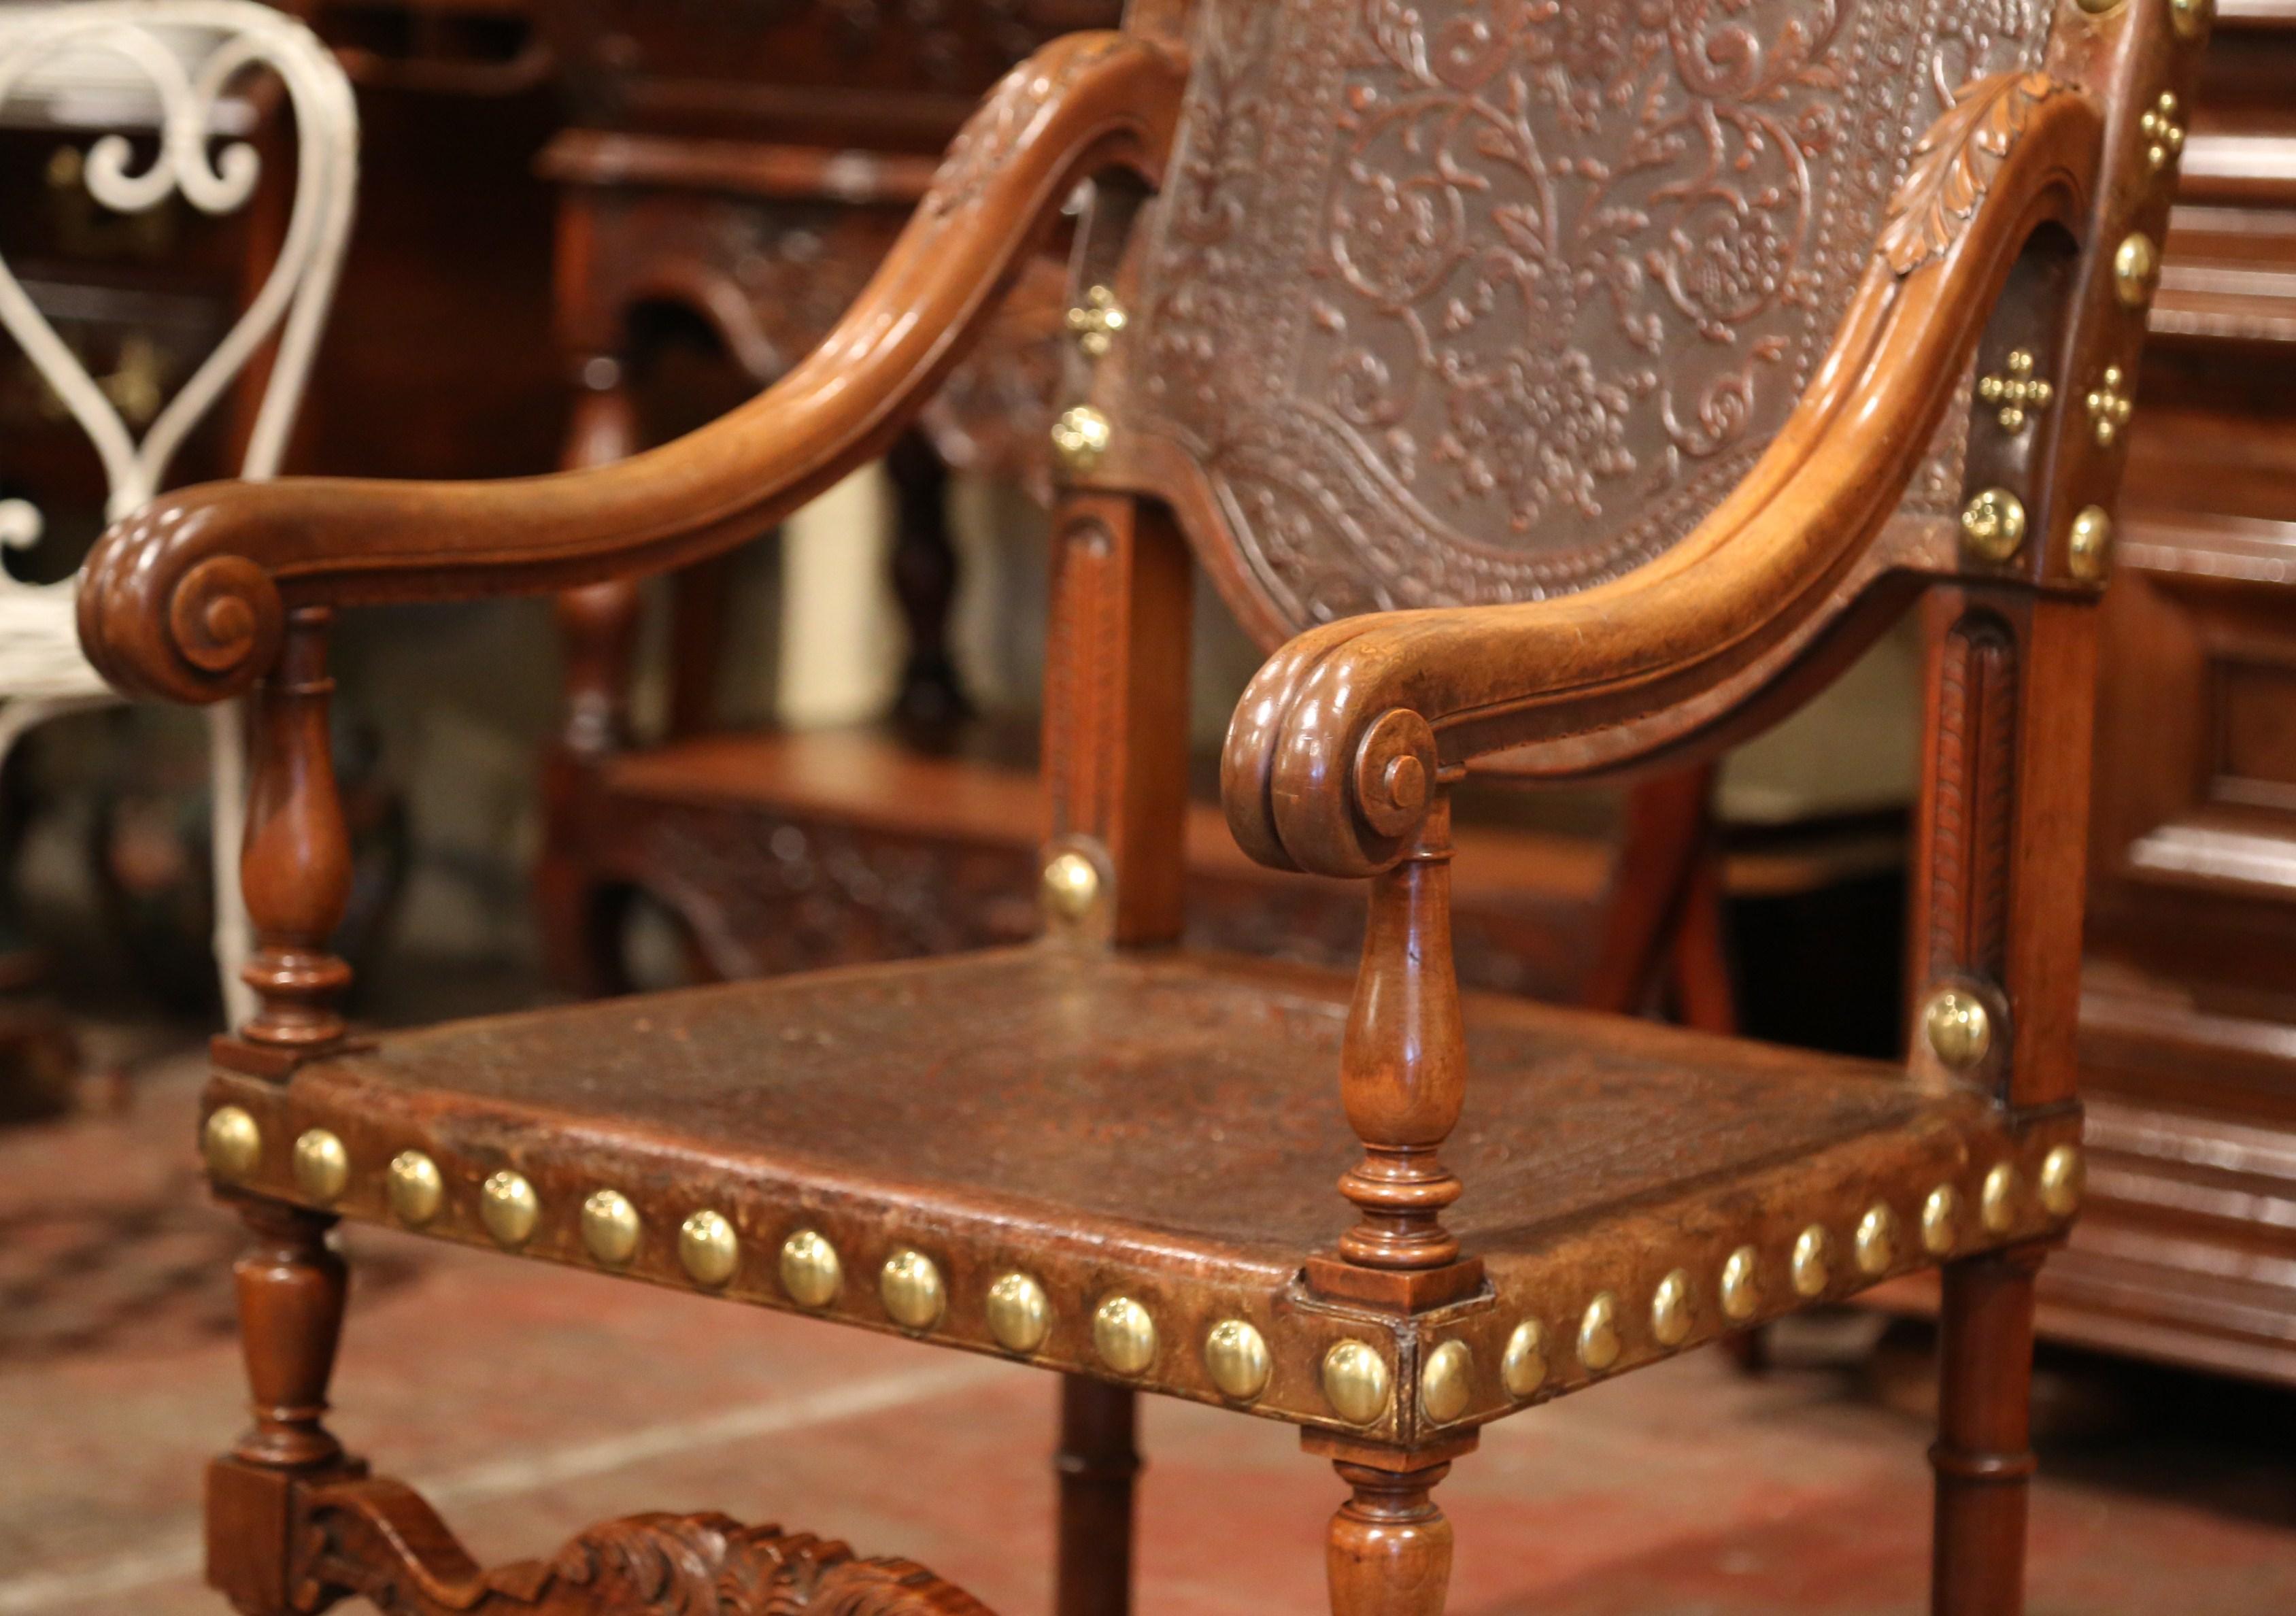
(2188, 1019)
(734, 175)
(137, 115)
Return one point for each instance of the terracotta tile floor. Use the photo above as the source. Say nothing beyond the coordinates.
(528, 1402)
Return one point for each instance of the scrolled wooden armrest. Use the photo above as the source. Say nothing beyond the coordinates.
(1341, 739)
(186, 600)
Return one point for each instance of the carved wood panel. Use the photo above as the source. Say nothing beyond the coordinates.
(1478, 300)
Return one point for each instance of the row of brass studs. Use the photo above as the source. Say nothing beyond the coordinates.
(1874, 1248)
(1355, 1379)
(1019, 1313)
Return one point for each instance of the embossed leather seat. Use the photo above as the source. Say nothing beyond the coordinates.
(1156, 1127)
(1560, 392)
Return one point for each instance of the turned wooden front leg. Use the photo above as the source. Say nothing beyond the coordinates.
(1983, 1459)
(1390, 1549)
(291, 1289)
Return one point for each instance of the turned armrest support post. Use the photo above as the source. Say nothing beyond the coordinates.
(296, 868)
(1403, 1063)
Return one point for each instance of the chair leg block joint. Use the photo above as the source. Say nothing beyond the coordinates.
(252, 1526)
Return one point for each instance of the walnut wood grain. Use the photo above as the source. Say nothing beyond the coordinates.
(186, 600)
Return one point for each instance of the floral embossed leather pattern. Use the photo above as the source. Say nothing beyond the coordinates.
(1475, 301)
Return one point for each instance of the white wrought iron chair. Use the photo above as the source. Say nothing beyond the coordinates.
(174, 69)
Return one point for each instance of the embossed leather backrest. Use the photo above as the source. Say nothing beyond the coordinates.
(1459, 301)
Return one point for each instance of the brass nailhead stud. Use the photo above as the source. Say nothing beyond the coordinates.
(1071, 886)
(1875, 1246)
(2063, 1178)
(2088, 548)
(909, 1285)
(230, 1142)
(2101, 8)
(1080, 437)
(2191, 17)
(323, 1167)
(509, 1208)
(1124, 1335)
(1355, 1382)
(609, 1227)
(811, 1271)
(1598, 1333)
(2109, 408)
(1235, 1356)
(2135, 266)
(1942, 1220)
(416, 1188)
(1808, 1266)
(708, 1248)
(1670, 1309)
(1741, 1289)
(1019, 1313)
(1960, 1031)
(1522, 1369)
(2018, 392)
(1097, 322)
(1446, 1382)
(1993, 524)
(1996, 1203)
(2163, 131)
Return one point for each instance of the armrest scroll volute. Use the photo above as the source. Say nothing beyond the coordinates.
(1341, 740)
(185, 600)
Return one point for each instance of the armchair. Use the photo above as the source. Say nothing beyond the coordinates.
(1569, 392)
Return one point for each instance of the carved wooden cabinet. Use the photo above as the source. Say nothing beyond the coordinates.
(2188, 1028)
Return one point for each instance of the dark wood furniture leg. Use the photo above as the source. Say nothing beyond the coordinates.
(597, 625)
(290, 1311)
(924, 581)
(1389, 1552)
(1119, 693)
(1662, 919)
(1095, 1465)
(1982, 1457)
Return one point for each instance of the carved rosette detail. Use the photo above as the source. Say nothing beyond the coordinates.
(1954, 163)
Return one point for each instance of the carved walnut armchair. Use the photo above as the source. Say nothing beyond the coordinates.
(1581, 387)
